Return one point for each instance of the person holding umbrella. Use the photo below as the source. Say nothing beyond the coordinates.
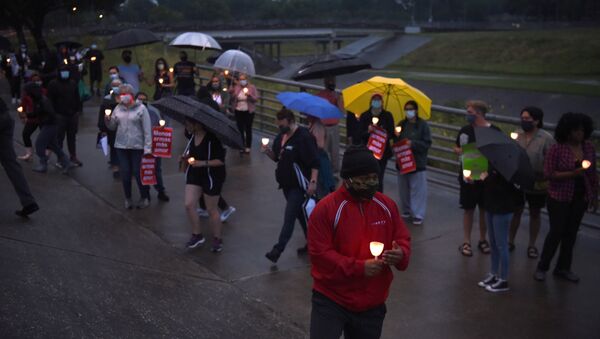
(243, 100)
(384, 120)
(570, 166)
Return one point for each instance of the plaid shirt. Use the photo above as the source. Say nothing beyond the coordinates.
(561, 159)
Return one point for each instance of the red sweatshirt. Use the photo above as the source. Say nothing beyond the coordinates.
(339, 232)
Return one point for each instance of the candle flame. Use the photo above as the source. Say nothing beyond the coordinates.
(375, 120)
(376, 248)
(191, 160)
(160, 81)
(514, 135)
(107, 112)
(20, 109)
(466, 173)
(586, 164)
(398, 129)
(265, 141)
(171, 70)
(162, 123)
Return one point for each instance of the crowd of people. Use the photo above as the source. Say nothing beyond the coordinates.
(352, 209)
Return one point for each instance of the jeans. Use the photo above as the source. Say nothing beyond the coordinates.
(46, 139)
(293, 210)
(130, 162)
(160, 186)
(244, 121)
(498, 226)
(565, 218)
(329, 319)
(68, 125)
(413, 193)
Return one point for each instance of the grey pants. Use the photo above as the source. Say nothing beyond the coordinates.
(413, 193)
(8, 159)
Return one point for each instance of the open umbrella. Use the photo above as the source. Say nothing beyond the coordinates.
(237, 61)
(132, 37)
(195, 40)
(330, 64)
(180, 107)
(5, 44)
(506, 156)
(68, 44)
(395, 92)
(310, 105)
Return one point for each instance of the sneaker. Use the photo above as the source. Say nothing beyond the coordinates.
(499, 286)
(40, 168)
(195, 241)
(76, 162)
(227, 213)
(59, 165)
(143, 203)
(162, 196)
(273, 255)
(406, 215)
(202, 212)
(417, 221)
(490, 279)
(539, 275)
(128, 204)
(217, 245)
(566, 275)
(27, 210)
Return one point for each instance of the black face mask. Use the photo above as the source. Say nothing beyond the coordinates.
(527, 126)
(127, 58)
(183, 58)
(284, 129)
(363, 192)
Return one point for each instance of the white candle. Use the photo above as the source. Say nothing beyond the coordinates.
(467, 173)
(224, 89)
(93, 58)
(107, 112)
(265, 141)
(376, 248)
(162, 123)
(375, 120)
(8, 60)
(226, 72)
(160, 81)
(171, 70)
(65, 61)
(245, 90)
(20, 109)
(398, 129)
(514, 135)
(191, 160)
(586, 164)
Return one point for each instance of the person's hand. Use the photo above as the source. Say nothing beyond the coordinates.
(394, 256)
(312, 188)
(264, 148)
(458, 150)
(578, 172)
(483, 175)
(373, 267)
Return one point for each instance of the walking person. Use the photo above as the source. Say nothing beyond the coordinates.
(295, 152)
(243, 100)
(332, 145)
(350, 287)
(184, 75)
(13, 169)
(133, 140)
(413, 186)
(31, 124)
(64, 95)
(163, 79)
(94, 58)
(385, 121)
(155, 118)
(570, 167)
(536, 143)
(205, 176)
(472, 191)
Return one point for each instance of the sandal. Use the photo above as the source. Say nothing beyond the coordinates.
(465, 249)
(484, 247)
(532, 252)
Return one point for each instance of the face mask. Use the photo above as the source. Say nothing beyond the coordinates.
(527, 126)
(115, 90)
(411, 114)
(140, 102)
(114, 76)
(126, 99)
(127, 59)
(64, 75)
(39, 83)
(160, 67)
(93, 47)
(244, 82)
(376, 104)
(183, 58)
(215, 86)
(330, 87)
(471, 118)
(364, 190)
(284, 129)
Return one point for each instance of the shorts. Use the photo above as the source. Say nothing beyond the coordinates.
(534, 200)
(471, 195)
(210, 185)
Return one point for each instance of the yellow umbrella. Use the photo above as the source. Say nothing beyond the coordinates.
(395, 92)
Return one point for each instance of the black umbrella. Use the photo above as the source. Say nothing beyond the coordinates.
(5, 44)
(132, 37)
(68, 44)
(506, 156)
(331, 64)
(180, 107)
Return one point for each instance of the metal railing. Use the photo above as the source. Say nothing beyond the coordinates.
(445, 124)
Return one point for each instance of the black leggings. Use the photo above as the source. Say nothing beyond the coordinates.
(28, 130)
(244, 121)
(15, 87)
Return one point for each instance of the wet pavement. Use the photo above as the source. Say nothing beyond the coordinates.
(83, 266)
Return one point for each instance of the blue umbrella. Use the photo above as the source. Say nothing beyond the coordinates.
(310, 105)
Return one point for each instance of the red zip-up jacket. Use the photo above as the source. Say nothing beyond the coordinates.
(339, 232)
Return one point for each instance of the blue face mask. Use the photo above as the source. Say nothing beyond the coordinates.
(376, 104)
(410, 114)
(115, 90)
(64, 75)
(471, 118)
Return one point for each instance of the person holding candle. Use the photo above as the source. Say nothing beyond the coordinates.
(163, 79)
(217, 92)
(133, 140)
(383, 119)
(536, 143)
(94, 58)
(243, 100)
(30, 124)
(205, 176)
(413, 186)
(350, 286)
(109, 102)
(295, 152)
(570, 167)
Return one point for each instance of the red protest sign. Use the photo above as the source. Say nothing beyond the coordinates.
(162, 141)
(404, 157)
(148, 171)
(377, 141)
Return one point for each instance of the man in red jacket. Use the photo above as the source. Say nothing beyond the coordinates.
(350, 286)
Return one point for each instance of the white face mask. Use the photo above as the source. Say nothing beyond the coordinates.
(160, 67)
(244, 82)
